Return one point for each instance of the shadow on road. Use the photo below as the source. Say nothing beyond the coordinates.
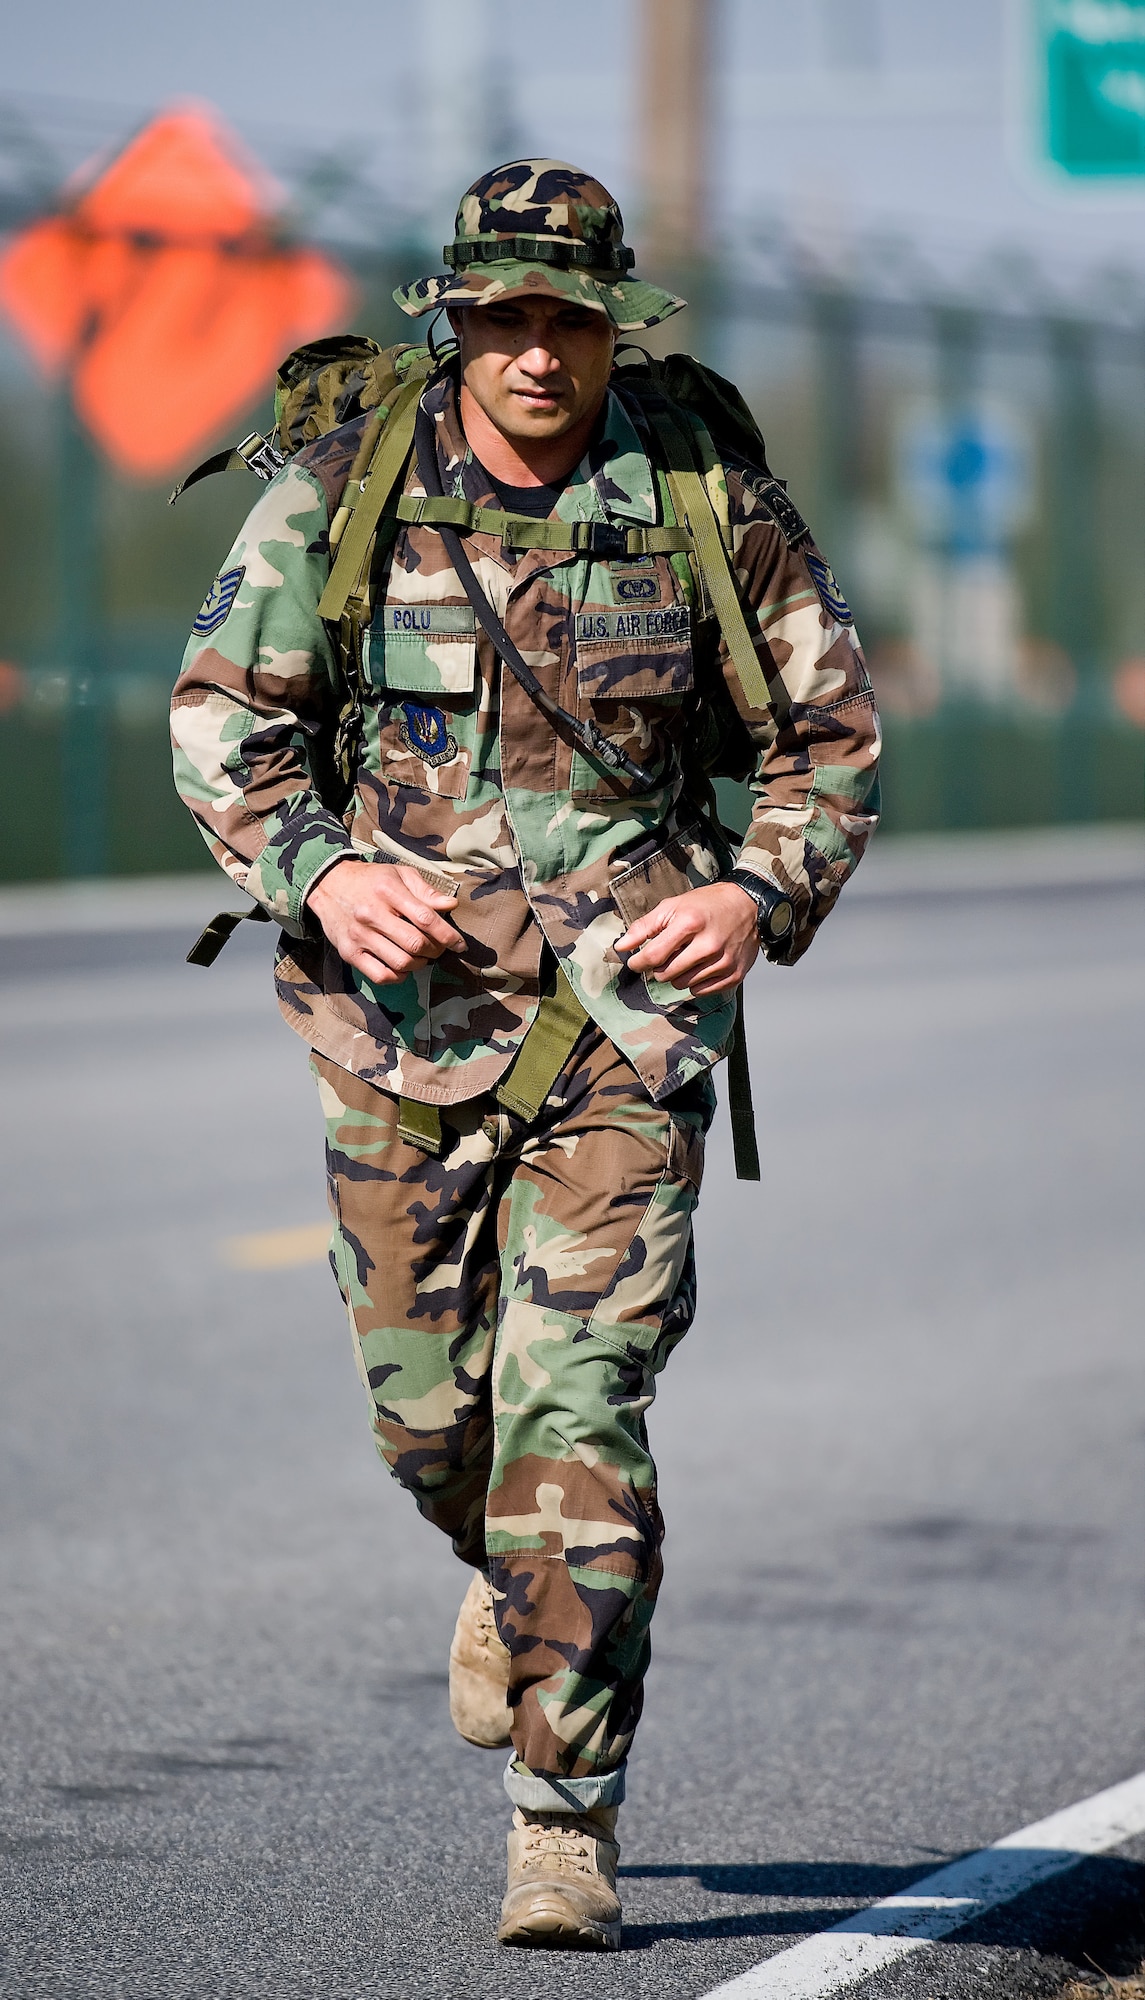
(852, 1882)
(1094, 1910)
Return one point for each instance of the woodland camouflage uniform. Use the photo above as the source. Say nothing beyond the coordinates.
(514, 1298)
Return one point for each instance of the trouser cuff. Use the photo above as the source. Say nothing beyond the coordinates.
(541, 1793)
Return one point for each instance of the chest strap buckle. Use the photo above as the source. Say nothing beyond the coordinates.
(602, 539)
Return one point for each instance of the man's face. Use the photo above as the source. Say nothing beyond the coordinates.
(537, 367)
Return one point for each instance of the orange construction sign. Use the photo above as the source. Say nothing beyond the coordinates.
(162, 290)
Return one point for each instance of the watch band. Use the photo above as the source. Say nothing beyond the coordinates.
(775, 912)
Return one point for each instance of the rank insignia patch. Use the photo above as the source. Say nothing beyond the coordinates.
(218, 601)
(423, 730)
(830, 595)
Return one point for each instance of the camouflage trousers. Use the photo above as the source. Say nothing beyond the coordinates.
(512, 1303)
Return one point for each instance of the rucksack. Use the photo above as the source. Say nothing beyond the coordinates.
(697, 423)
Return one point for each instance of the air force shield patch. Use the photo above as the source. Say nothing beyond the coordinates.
(424, 731)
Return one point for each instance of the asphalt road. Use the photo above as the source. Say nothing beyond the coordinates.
(900, 1454)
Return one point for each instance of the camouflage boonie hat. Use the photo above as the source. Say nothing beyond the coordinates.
(541, 226)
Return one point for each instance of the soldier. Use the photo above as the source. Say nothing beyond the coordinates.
(516, 955)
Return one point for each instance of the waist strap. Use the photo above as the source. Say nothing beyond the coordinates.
(420, 1125)
(548, 1044)
(745, 1149)
(549, 1041)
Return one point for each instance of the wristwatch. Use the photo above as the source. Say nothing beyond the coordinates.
(774, 912)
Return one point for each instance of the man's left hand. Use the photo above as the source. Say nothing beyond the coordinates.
(705, 941)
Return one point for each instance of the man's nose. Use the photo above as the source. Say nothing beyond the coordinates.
(538, 359)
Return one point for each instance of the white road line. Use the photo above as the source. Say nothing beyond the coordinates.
(943, 1902)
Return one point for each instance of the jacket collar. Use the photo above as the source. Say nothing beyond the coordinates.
(613, 481)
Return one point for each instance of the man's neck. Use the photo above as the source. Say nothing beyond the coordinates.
(525, 461)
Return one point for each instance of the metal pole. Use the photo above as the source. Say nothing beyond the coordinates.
(84, 743)
(959, 722)
(838, 468)
(675, 120)
(1075, 588)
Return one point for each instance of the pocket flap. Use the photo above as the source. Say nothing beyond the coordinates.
(633, 652)
(422, 648)
(684, 863)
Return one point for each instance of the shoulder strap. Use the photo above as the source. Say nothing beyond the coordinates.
(389, 463)
(693, 506)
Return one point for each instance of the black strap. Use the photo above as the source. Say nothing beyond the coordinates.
(567, 254)
(219, 461)
(260, 455)
(744, 1145)
(591, 738)
(210, 942)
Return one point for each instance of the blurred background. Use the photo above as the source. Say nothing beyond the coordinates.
(913, 234)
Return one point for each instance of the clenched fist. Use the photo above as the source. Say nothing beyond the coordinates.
(384, 919)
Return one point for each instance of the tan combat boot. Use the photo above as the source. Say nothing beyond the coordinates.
(479, 1671)
(562, 1881)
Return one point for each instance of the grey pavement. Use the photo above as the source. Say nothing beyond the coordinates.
(900, 1454)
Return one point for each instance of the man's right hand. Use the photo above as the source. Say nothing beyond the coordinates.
(383, 919)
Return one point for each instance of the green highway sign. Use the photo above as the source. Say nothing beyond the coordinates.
(1092, 61)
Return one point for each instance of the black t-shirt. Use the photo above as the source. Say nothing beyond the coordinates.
(535, 501)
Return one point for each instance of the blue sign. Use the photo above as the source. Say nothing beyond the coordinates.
(965, 476)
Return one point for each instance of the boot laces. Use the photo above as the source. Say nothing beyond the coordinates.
(566, 1841)
(485, 1620)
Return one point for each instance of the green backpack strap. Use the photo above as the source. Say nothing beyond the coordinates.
(546, 1047)
(352, 491)
(420, 1125)
(693, 507)
(692, 504)
(549, 1041)
(389, 464)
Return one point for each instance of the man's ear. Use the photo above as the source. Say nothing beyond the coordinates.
(456, 320)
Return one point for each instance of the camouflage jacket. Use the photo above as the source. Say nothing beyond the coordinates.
(463, 778)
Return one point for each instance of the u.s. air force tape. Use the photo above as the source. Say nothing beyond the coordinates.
(782, 509)
(671, 622)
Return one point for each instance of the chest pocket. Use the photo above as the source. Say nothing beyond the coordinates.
(634, 667)
(420, 666)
